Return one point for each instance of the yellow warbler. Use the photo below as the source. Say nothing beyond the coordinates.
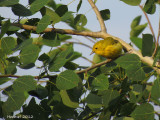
(108, 48)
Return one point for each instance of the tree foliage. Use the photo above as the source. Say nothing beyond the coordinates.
(117, 90)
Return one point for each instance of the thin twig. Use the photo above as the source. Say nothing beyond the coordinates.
(150, 26)
(98, 14)
(157, 43)
(79, 43)
(88, 60)
(90, 40)
(94, 66)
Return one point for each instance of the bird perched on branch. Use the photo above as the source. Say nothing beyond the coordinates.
(108, 48)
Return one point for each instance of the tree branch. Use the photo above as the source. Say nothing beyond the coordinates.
(98, 14)
(148, 60)
(61, 31)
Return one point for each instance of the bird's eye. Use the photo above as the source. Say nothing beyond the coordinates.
(96, 48)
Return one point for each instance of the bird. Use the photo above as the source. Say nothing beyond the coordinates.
(108, 48)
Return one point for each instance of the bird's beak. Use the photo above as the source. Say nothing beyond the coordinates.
(91, 52)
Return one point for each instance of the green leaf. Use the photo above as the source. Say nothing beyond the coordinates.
(137, 30)
(27, 66)
(143, 112)
(66, 100)
(94, 101)
(61, 59)
(67, 80)
(33, 110)
(108, 67)
(147, 44)
(110, 97)
(97, 58)
(8, 2)
(137, 41)
(135, 73)
(155, 92)
(50, 39)
(133, 98)
(20, 10)
(63, 111)
(43, 23)
(5, 28)
(53, 15)
(11, 68)
(13, 28)
(29, 54)
(7, 44)
(136, 22)
(137, 89)
(79, 5)
(61, 10)
(75, 93)
(132, 64)
(43, 57)
(128, 60)
(74, 56)
(14, 101)
(64, 37)
(150, 7)
(105, 14)
(132, 2)
(127, 109)
(52, 4)
(24, 83)
(4, 80)
(80, 20)
(68, 15)
(52, 54)
(37, 5)
(40, 92)
(101, 82)
(71, 65)
(23, 44)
